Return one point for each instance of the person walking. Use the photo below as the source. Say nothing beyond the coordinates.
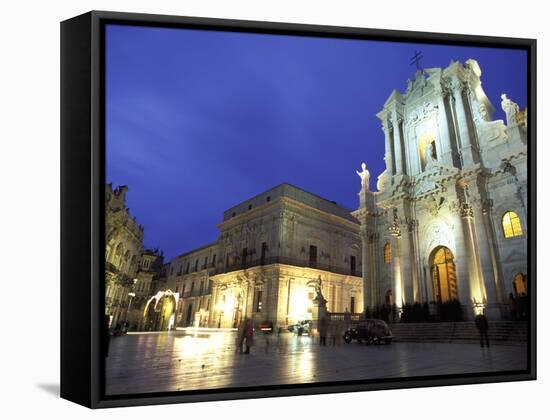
(513, 307)
(323, 330)
(248, 334)
(482, 324)
(240, 336)
(106, 335)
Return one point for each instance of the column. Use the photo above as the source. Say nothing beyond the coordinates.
(397, 143)
(492, 273)
(478, 296)
(389, 156)
(417, 294)
(463, 124)
(366, 265)
(444, 135)
(398, 292)
(407, 266)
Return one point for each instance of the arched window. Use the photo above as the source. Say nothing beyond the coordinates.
(511, 225)
(387, 253)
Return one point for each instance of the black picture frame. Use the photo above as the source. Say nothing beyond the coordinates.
(83, 192)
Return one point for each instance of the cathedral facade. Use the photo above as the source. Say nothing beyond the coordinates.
(449, 219)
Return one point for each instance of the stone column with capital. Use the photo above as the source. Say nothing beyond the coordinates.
(397, 143)
(389, 155)
(397, 269)
(478, 294)
(365, 258)
(443, 123)
(458, 88)
(490, 261)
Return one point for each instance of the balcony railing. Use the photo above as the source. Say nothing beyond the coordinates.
(333, 268)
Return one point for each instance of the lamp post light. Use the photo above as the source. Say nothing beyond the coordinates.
(132, 296)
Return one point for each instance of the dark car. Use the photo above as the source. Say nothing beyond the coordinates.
(373, 331)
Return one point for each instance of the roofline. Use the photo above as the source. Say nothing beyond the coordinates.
(290, 185)
(200, 248)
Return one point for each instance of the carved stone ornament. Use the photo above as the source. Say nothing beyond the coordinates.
(395, 230)
(466, 211)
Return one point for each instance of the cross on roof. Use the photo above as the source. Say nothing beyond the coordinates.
(415, 59)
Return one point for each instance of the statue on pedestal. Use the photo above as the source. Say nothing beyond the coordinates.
(510, 108)
(319, 298)
(365, 177)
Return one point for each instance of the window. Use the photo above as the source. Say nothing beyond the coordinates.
(352, 264)
(233, 214)
(264, 251)
(312, 256)
(387, 253)
(511, 225)
(250, 207)
(245, 254)
(352, 305)
(205, 262)
(187, 268)
(258, 305)
(196, 264)
(201, 287)
(268, 199)
(214, 260)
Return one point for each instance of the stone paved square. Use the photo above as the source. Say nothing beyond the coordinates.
(179, 361)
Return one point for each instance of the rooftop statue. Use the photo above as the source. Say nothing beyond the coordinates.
(365, 177)
(510, 108)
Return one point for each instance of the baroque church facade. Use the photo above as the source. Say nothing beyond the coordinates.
(449, 219)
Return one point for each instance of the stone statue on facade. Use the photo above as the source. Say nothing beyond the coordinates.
(365, 177)
(510, 108)
(429, 155)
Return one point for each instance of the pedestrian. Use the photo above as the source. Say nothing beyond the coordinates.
(106, 335)
(323, 330)
(240, 336)
(513, 307)
(248, 334)
(482, 324)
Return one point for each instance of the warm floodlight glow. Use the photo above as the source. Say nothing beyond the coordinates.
(299, 304)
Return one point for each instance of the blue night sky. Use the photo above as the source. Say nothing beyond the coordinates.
(198, 121)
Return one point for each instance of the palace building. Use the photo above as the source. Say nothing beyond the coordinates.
(449, 219)
(272, 252)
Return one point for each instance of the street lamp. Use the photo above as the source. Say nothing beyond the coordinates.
(132, 295)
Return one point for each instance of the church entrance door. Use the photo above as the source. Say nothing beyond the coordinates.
(443, 275)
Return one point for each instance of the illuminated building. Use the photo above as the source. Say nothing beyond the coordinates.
(123, 247)
(271, 252)
(449, 219)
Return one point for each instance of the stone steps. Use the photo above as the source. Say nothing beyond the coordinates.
(503, 332)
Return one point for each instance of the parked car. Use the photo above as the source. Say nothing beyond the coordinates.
(373, 331)
(266, 327)
(302, 327)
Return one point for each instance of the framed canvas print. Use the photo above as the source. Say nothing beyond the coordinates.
(255, 209)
